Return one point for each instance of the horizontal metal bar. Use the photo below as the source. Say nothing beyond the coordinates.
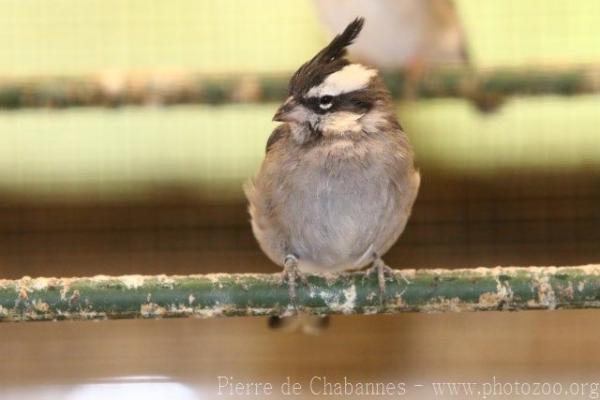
(215, 295)
(114, 89)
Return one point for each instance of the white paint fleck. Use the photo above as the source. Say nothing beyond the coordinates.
(350, 295)
(546, 294)
(132, 281)
(165, 280)
(40, 283)
(63, 292)
(335, 302)
(370, 310)
(504, 291)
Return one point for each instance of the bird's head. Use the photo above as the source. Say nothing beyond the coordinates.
(329, 93)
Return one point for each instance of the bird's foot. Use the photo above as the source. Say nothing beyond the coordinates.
(382, 270)
(306, 323)
(292, 275)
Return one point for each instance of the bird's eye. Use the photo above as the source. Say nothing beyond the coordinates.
(325, 102)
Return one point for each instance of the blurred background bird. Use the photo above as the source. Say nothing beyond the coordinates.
(409, 35)
(401, 33)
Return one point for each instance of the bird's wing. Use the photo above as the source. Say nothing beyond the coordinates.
(280, 132)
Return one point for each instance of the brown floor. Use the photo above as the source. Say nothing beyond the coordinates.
(417, 349)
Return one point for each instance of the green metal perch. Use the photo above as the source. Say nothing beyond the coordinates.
(114, 89)
(214, 295)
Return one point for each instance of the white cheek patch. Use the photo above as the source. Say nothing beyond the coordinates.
(339, 123)
(348, 79)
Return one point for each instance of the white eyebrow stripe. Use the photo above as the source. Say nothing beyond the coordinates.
(348, 79)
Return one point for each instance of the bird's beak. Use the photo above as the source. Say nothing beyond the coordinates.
(290, 111)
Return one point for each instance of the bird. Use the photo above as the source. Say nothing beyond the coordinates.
(411, 35)
(338, 181)
(402, 33)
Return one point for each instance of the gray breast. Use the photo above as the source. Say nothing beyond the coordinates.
(342, 204)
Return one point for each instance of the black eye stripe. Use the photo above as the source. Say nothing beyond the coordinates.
(314, 104)
(325, 99)
(358, 101)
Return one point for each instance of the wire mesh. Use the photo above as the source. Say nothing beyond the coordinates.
(139, 187)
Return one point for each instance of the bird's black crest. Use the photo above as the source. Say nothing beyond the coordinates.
(337, 48)
(327, 61)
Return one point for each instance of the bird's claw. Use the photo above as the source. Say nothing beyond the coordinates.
(291, 275)
(382, 270)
